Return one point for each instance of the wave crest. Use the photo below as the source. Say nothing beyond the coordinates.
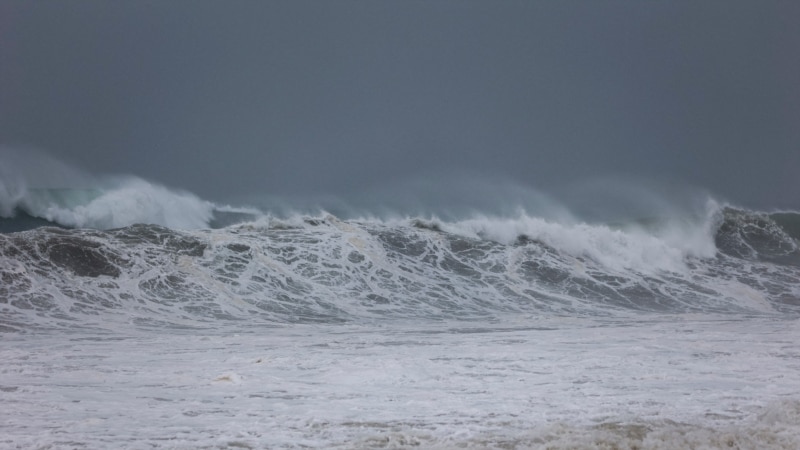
(34, 185)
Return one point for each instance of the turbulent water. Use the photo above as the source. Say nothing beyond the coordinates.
(223, 327)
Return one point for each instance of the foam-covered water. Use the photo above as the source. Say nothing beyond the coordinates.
(671, 383)
(216, 327)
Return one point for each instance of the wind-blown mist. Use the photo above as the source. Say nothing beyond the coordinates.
(309, 98)
(33, 184)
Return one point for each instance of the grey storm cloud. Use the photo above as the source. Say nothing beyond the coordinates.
(239, 98)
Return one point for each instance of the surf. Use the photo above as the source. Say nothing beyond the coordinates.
(322, 269)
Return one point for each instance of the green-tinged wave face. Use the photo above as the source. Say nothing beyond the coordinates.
(63, 198)
(120, 202)
(759, 236)
(22, 221)
(789, 222)
(37, 208)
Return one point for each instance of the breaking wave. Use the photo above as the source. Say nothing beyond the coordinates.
(328, 270)
(37, 190)
(81, 251)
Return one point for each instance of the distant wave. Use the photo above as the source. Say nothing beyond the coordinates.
(35, 186)
(45, 196)
(123, 203)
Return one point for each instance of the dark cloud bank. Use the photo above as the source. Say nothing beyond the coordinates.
(350, 100)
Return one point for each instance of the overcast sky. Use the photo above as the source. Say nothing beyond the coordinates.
(241, 98)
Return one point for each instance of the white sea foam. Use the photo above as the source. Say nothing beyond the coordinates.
(613, 248)
(669, 383)
(625, 247)
(327, 270)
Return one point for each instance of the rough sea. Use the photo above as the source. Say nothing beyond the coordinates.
(139, 317)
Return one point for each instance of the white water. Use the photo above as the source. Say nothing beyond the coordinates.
(665, 249)
(673, 383)
(426, 338)
(119, 203)
(49, 189)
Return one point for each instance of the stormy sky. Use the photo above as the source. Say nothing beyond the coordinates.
(235, 99)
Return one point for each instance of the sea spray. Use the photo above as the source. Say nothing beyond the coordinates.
(35, 185)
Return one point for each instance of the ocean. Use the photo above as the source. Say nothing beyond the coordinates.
(141, 317)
